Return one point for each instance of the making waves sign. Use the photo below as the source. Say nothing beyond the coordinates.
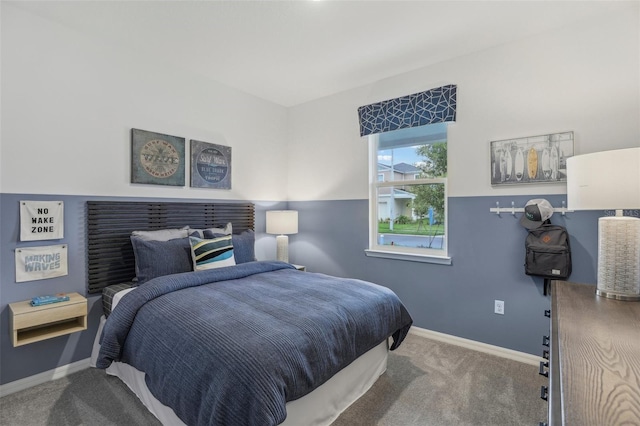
(38, 263)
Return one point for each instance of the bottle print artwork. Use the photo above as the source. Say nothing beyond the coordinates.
(546, 163)
(519, 165)
(553, 160)
(530, 160)
(509, 162)
(532, 163)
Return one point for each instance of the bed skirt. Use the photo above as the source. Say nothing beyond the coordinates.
(319, 408)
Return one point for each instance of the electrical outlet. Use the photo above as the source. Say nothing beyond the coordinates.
(498, 307)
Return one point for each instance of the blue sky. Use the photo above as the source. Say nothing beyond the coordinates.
(400, 155)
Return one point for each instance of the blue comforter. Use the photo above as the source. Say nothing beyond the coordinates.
(231, 346)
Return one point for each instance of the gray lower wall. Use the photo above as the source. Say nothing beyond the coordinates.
(24, 361)
(487, 252)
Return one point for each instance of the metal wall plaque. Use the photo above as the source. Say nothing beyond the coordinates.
(210, 165)
(157, 158)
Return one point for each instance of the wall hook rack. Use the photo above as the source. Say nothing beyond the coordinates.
(513, 209)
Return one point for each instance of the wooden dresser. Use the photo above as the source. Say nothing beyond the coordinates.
(594, 368)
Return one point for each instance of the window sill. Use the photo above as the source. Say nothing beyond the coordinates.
(439, 260)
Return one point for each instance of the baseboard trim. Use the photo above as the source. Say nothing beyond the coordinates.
(44, 377)
(477, 346)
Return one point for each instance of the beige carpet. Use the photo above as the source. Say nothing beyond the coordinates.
(426, 383)
(429, 383)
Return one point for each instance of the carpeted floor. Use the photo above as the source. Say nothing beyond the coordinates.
(427, 383)
(86, 398)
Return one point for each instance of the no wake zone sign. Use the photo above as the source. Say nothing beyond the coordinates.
(41, 220)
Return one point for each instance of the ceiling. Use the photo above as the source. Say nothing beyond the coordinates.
(291, 52)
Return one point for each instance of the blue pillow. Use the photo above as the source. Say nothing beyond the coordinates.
(159, 258)
(227, 230)
(243, 245)
(212, 253)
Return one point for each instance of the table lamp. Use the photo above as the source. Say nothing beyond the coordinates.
(282, 222)
(610, 180)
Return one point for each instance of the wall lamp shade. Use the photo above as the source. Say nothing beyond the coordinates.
(282, 222)
(610, 180)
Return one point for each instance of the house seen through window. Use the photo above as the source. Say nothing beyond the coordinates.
(408, 199)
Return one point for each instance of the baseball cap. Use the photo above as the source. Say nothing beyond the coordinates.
(536, 211)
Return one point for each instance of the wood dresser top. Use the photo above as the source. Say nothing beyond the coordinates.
(599, 354)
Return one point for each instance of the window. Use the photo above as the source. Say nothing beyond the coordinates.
(408, 209)
(408, 136)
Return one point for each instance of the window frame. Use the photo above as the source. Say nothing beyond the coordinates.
(438, 256)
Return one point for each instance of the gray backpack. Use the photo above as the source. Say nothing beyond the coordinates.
(548, 252)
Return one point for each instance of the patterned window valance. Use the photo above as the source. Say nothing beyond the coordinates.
(433, 106)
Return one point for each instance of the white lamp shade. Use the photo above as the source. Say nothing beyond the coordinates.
(607, 180)
(282, 222)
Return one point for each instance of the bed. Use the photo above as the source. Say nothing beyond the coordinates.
(248, 343)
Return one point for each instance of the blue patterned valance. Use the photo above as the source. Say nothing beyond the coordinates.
(433, 106)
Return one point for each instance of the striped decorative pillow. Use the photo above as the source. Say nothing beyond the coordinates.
(213, 253)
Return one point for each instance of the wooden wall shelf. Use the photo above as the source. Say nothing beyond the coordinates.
(34, 323)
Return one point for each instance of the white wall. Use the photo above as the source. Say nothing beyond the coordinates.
(69, 103)
(583, 78)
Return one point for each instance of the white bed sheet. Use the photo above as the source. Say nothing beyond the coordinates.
(318, 408)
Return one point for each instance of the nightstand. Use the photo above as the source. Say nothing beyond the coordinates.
(300, 267)
(34, 323)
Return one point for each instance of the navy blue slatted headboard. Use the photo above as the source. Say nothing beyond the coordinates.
(110, 258)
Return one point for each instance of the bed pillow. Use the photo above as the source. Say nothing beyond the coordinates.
(227, 230)
(243, 245)
(161, 234)
(159, 258)
(212, 253)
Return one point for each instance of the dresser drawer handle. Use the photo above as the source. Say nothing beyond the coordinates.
(544, 393)
(545, 341)
(542, 371)
(547, 313)
(545, 354)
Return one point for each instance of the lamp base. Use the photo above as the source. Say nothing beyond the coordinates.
(619, 258)
(617, 296)
(282, 248)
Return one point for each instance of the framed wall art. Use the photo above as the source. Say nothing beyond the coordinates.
(210, 165)
(533, 159)
(157, 159)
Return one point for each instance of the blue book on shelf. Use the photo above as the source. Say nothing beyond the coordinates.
(45, 300)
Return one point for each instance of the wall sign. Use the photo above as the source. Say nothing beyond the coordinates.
(210, 165)
(39, 263)
(156, 158)
(41, 220)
